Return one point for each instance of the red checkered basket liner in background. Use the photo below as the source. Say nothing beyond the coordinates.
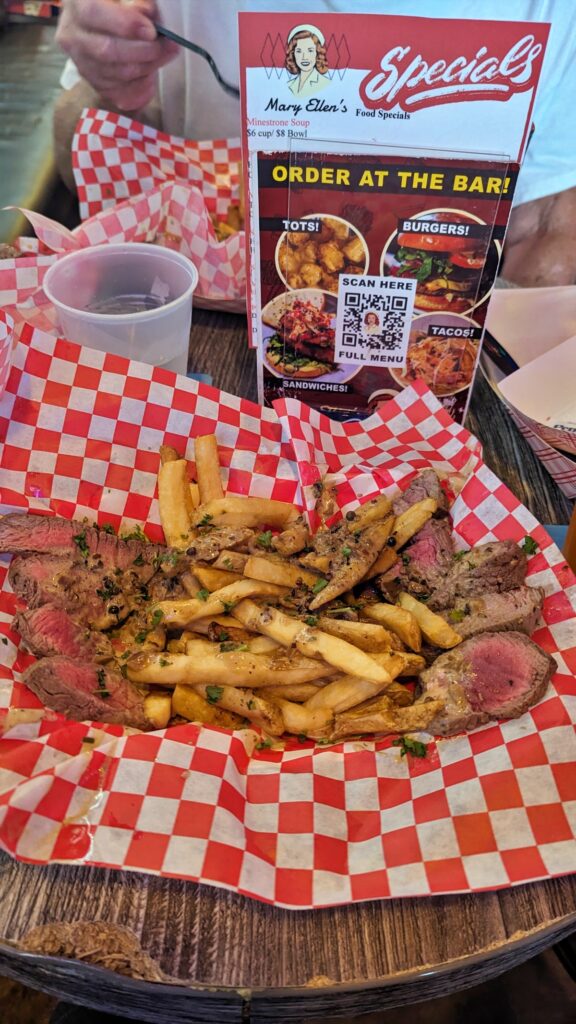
(136, 184)
(311, 825)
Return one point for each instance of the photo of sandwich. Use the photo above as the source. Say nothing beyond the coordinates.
(447, 266)
(300, 336)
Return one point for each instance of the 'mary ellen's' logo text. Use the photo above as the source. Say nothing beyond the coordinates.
(412, 82)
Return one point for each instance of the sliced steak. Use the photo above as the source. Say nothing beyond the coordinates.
(86, 692)
(488, 568)
(428, 559)
(518, 610)
(22, 532)
(49, 630)
(425, 485)
(492, 675)
(34, 578)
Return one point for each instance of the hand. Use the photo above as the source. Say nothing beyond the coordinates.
(539, 249)
(115, 48)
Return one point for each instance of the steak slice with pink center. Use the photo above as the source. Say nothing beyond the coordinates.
(492, 675)
(497, 566)
(49, 630)
(86, 692)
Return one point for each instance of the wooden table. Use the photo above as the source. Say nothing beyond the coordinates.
(237, 960)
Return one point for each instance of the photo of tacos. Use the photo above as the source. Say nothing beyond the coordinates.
(447, 265)
(442, 352)
(301, 333)
(316, 258)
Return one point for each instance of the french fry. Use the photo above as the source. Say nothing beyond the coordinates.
(370, 512)
(230, 561)
(406, 525)
(368, 636)
(190, 583)
(273, 569)
(246, 704)
(346, 692)
(305, 721)
(414, 664)
(299, 692)
(214, 579)
(208, 468)
(195, 494)
(321, 563)
(311, 642)
(187, 703)
(158, 708)
(168, 454)
(292, 540)
(245, 512)
(399, 620)
(261, 645)
(434, 628)
(381, 715)
(353, 561)
(205, 662)
(175, 503)
(181, 612)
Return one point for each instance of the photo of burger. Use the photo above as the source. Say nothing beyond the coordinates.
(300, 338)
(447, 265)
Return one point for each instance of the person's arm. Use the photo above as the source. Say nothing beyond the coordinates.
(115, 48)
(540, 248)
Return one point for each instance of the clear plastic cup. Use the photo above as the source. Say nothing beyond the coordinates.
(131, 299)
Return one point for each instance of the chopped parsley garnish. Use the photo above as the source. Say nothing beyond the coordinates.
(228, 606)
(141, 636)
(214, 693)
(251, 705)
(319, 585)
(311, 620)
(203, 594)
(302, 738)
(406, 559)
(228, 563)
(127, 654)
(228, 646)
(206, 519)
(529, 545)
(459, 555)
(80, 542)
(264, 540)
(139, 560)
(157, 617)
(107, 528)
(163, 662)
(346, 551)
(137, 533)
(409, 746)
(223, 636)
(264, 745)
(456, 615)
(101, 688)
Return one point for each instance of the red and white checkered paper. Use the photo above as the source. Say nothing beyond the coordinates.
(308, 826)
(136, 184)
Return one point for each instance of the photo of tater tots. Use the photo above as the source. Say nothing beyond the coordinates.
(315, 259)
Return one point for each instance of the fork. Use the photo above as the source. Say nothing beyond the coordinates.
(230, 89)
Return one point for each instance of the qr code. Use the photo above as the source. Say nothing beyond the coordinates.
(373, 322)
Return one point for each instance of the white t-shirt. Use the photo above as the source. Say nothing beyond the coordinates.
(194, 105)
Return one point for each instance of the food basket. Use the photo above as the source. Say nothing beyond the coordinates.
(310, 825)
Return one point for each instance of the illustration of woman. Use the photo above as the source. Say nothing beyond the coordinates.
(371, 323)
(306, 58)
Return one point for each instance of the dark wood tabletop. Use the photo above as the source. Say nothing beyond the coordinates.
(221, 957)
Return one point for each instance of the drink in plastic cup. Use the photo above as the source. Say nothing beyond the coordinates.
(132, 299)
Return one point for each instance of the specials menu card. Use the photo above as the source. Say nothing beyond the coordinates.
(381, 157)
